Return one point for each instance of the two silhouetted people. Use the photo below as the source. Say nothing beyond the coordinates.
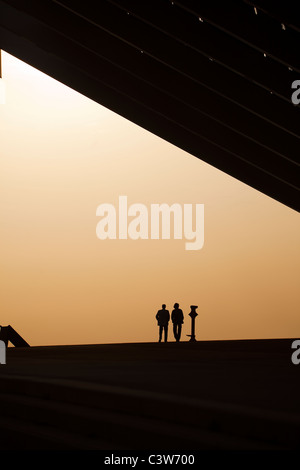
(163, 318)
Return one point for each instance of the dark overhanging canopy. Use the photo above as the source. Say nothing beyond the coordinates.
(211, 77)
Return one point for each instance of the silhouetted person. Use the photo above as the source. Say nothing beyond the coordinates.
(163, 318)
(177, 319)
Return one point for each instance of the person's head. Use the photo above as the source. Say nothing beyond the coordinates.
(176, 305)
(163, 306)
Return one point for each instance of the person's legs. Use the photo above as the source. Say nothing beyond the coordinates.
(175, 330)
(166, 333)
(179, 331)
(160, 332)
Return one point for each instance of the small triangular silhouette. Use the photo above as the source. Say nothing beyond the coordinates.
(7, 333)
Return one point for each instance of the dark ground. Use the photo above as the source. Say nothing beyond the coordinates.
(223, 395)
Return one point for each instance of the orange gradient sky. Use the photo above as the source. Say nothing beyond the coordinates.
(61, 156)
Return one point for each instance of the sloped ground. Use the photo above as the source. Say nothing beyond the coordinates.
(232, 395)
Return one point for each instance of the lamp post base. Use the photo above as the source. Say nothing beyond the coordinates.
(193, 337)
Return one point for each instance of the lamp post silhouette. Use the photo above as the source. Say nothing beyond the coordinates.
(193, 314)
